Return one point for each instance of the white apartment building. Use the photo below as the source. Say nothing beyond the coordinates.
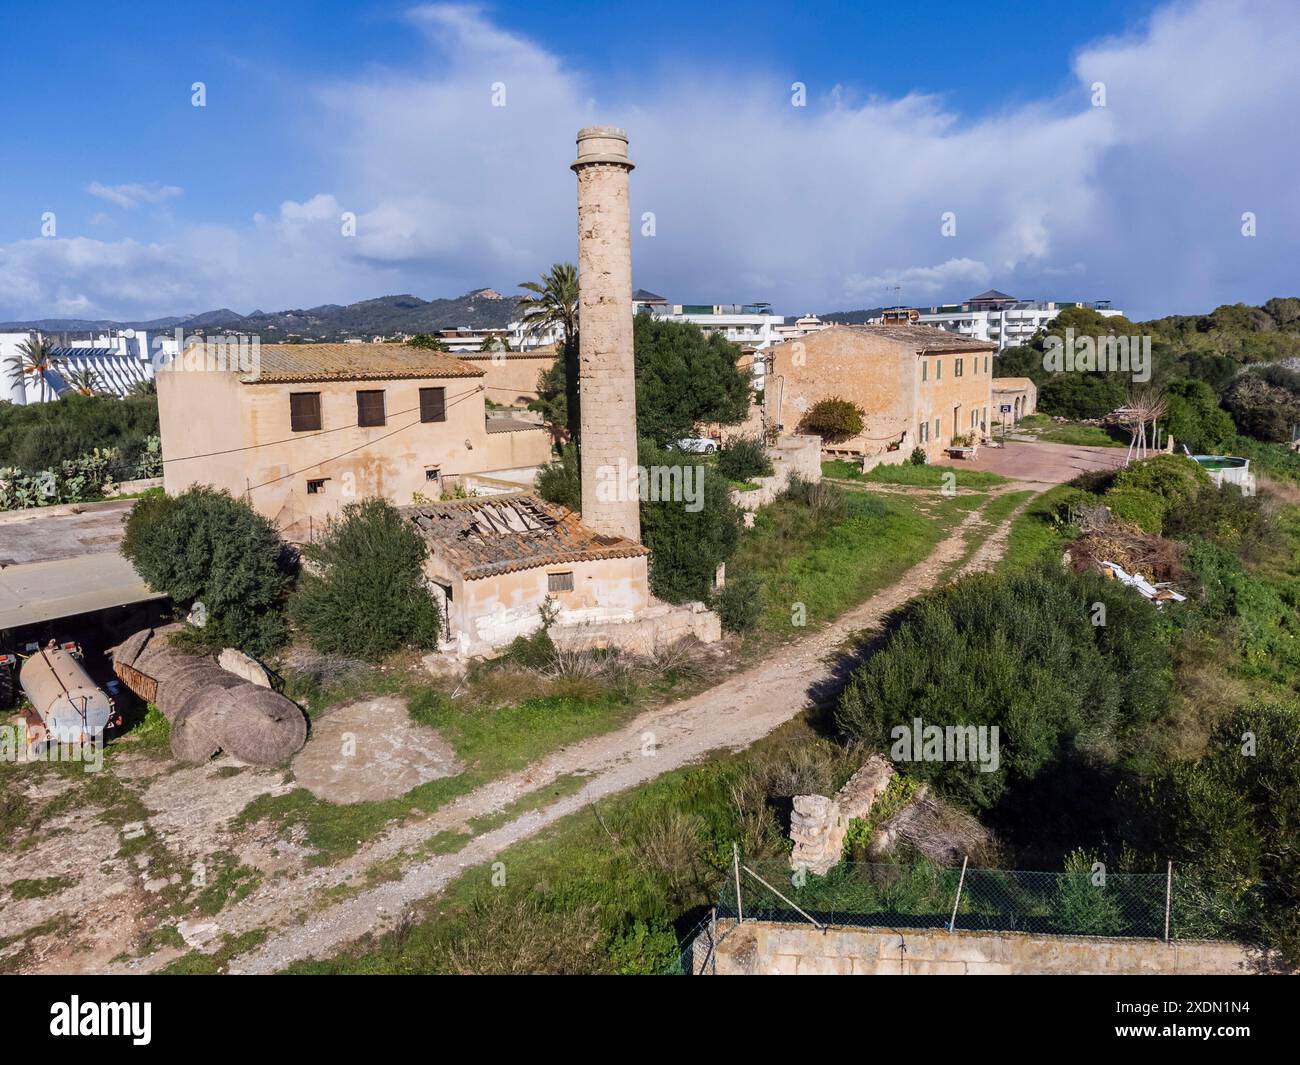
(116, 362)
(1000, 319)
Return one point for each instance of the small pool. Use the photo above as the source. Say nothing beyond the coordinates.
(1222, 462)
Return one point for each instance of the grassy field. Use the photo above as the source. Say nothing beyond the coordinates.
(831, 563)
(612, 887)
(1032, 532)
(1042, 427)
(912, 476)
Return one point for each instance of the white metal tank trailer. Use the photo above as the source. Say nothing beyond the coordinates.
(67, 706)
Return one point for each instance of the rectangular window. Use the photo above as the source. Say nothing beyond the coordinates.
(433, 404)
(958, 371)
(938, 435)
(559, 582)
(925, 370)
(316, 487)
(938, 369)
(370, 408)
(304, 411)
(986, 364)
(432, 473)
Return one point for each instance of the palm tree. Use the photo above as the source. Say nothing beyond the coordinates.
(554, 303)
(35, 358)
(83, 380)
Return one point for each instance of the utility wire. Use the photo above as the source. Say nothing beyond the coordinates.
(324, 432)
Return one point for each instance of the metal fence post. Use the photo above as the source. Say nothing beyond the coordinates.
(952, 925)
(735, 856)
(1169, 896)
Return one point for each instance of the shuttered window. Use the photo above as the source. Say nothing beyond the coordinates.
(304, 411)
(370, 408)
(559, 582)
(433, 404)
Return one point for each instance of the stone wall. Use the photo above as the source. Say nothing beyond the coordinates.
(759, 948)
(653, 629)
(791, 455)
(818, 824)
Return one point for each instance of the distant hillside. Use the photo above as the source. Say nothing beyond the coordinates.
(851, 317)
(480, 309)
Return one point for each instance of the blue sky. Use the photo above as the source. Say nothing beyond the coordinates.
(383, 110)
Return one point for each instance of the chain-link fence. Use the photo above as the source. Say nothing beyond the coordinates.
(930, 896)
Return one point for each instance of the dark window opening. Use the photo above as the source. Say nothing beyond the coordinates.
(432, 473)
(433, 404)
(370, 408)
(304, 411)
(316, 487)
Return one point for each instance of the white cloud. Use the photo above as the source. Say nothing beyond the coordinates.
(129, 197)
(812, 208)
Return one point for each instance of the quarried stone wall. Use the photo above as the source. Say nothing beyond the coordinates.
(760, 948)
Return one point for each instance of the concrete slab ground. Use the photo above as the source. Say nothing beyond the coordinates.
(59, 561)
(371, 750)
(1042, 462)
(45, 534)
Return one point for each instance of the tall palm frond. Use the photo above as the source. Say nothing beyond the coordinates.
(35, 358)
(83, 380)
(554, 303)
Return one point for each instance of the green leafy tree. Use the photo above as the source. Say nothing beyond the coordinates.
(1193, 417)
(688, 537)
(560, 480)
(206, 550)
(427, 342)
(834, 420)
(362, 591)
(685, 377)
(1265, 404)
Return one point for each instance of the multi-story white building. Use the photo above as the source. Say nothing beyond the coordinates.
(114, 363)
(1000, 319)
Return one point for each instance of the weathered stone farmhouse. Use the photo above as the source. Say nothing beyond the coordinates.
(917, 386)
(1020, 394)
(306, 428)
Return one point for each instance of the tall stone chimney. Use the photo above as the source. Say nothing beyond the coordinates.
(610, 502)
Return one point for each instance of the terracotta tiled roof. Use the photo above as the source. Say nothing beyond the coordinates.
(492, 535)
(353, 362)
(925, 338)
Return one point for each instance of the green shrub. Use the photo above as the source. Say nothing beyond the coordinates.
(40, 436)
(1144, 509)
(534, 651)
(362, 592)
(834, 420)
(740, 602)
(1017, 650)
(918, 456)
(1174, 478)
(688, 538)
(203, 547)
(560, 480)
(743, 459)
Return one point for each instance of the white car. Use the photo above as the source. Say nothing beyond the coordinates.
(697, 445)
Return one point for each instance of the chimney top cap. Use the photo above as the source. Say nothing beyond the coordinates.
(603, 132)
(602, 144)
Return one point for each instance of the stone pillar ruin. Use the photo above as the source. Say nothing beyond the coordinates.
(610, 502)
